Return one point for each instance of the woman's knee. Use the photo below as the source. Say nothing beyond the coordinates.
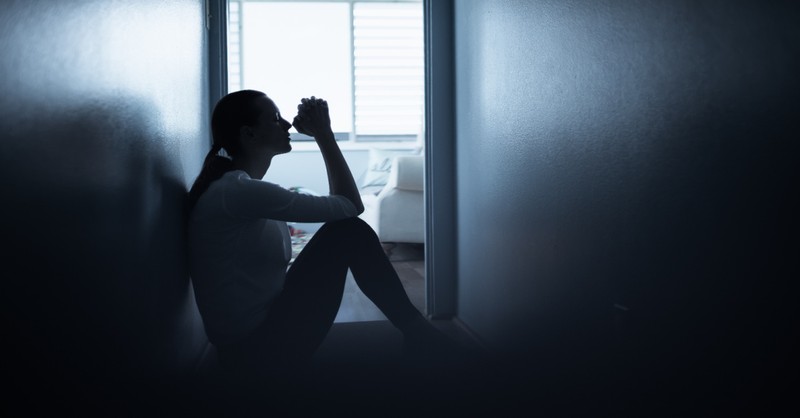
(349, 227)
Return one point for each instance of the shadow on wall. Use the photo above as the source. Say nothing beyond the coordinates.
(96, 284)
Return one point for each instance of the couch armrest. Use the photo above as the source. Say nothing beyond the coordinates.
(407, 173)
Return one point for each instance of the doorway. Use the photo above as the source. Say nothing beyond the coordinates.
(374, 82)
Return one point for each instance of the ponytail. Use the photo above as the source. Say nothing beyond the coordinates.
(214, 167)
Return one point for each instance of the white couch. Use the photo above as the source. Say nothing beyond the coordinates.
(396, 212)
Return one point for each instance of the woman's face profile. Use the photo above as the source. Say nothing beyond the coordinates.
(271, 128)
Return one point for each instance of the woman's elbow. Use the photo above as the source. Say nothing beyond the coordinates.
(358, 204)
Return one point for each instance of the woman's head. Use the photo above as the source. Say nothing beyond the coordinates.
(248, 114)
(249, 127)
(233, 111)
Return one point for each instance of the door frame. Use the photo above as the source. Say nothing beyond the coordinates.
(440, 183)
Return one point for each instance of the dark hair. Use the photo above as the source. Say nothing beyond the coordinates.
(233, 111)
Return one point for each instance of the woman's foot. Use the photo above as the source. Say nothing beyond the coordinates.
(423, 341)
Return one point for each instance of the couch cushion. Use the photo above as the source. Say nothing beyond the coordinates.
(408, 173)
(379, 167)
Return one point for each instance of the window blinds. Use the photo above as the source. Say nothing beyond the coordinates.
(387, 44)
(234, 46)
(388, 65)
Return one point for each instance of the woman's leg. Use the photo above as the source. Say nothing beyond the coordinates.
(377, 278)
(375, 275)
(310, 300)
(304, 312)
(354, 243)
(300, 316)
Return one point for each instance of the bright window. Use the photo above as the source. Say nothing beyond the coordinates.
(364, 57)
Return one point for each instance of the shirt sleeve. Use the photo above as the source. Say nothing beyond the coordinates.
(248, 198)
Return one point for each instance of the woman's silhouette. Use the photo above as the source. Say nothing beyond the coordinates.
(261, 316)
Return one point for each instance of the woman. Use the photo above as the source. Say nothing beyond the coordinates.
(259, 315)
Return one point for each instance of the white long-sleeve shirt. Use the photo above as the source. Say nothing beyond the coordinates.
(240, 247)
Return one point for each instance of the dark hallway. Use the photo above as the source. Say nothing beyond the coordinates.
(623, 222)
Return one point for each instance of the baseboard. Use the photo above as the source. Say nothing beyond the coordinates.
(207, 361)
(472, 335)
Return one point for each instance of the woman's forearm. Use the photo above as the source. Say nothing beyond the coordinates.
(313, 119)
(340, 179)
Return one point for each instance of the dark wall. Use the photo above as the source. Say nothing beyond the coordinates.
(104, 114)
(626, 175)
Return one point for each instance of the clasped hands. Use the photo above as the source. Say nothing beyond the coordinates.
(313, 118)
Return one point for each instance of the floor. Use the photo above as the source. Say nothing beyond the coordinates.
(361, 370)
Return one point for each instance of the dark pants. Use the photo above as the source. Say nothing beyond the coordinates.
(302, 315)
